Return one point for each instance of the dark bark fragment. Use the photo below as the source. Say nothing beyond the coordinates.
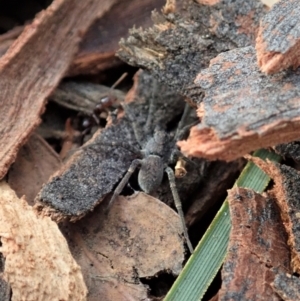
(99, 45)
(94, 171)
(289, 150)
(287, 286)
(218, 177)
(181, 43)
(243, 109)
(257, 249)
(287, 194)
(89, 174)
(278, 40)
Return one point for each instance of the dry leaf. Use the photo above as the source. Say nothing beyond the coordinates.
(139, 238)
(38, 263)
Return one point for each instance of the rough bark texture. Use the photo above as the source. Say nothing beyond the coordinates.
(33, 66)
(287, 286)
(257, 249)
(278, 40)
(99, 45)
(243, 109)
(218, 177)
(38, 262)
(289, 150)
(184, 39)
(287, 195)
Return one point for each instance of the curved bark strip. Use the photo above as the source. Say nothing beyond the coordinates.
(34, 65)
(278, 41)
(243, 109)
(257, 249)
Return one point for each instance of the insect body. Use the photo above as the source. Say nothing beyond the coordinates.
(140, 141)
(156, 153)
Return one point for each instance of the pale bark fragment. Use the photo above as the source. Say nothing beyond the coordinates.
(38, 262)
(257, 249)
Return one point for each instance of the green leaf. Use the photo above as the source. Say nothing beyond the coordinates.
(205, 262)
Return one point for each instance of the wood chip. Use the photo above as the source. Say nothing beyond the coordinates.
(33, 66)
(287, 193)
(99, 45)
(278, 40)
(287, 286)
(289, 150)
(243, 109)
(257, 249)
(38, 263)
(181, 44)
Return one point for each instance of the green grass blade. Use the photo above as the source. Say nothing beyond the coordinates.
(204, 264)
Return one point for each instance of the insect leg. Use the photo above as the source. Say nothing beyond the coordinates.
(178, 206)
(134, 164)
(125, 145)
(149, 122)
(186, 112)
(137, 131)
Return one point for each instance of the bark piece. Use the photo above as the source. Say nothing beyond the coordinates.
(257, 248)
(89, 174)
(243, 109)
(99, 45)
(35, 163)
(118, 249)
(94, 171)
(32, 68)
(278, 40)
(38, 262)
(287, 286)
(287, 194)
(182, 42)
(83, 97)
(290, 150)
